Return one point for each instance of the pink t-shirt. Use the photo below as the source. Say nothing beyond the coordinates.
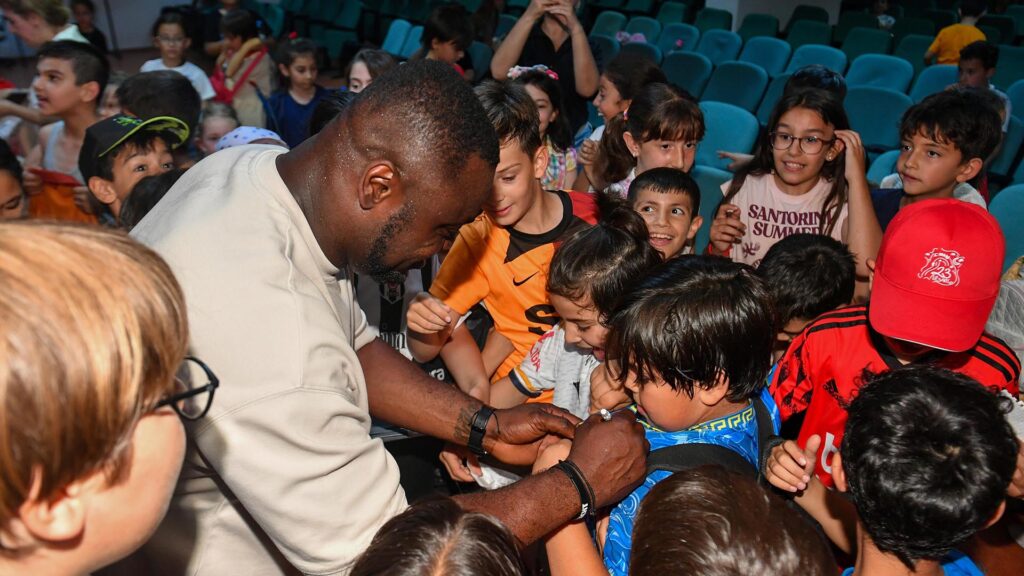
(770, 215)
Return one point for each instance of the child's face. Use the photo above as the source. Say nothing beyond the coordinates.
(55, 86)
(906, 352)
(213, 130)
(123, 516)
(670, 220)
(929, 167)
(110, 105)
(32, 29)
(83, 16)
(545, 110)
(12, 197)
(664, 407)
(973, 74)
(582, 325)
(678, 154)
(134, 164)
(233, 43)
(516, 183)
(446, 51)
(301, 72)
(797, 171)
(789, 332)
(609, 102)
(172, 43)
(359, 77)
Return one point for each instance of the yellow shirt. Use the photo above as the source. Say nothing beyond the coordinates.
(952, 39)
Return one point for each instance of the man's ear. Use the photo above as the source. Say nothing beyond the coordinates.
(968, 170)
(381, 183)
(102, 189)
(838, 474)
(540, 161)
(713, 395)
(89, 92)
(631, 143)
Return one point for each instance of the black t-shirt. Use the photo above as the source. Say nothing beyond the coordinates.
(96, 38)
(540, 50)
(886, 202)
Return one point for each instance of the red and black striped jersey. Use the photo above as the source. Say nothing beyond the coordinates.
(826, 365)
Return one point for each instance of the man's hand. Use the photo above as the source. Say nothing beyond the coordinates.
(514, 434)
(31, 182)
(790, 468)
(612, 455)
(82, 195)
(428, 315)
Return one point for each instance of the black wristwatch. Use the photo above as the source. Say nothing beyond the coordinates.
(478, 429)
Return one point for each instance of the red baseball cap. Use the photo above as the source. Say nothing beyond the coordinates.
(937, 274)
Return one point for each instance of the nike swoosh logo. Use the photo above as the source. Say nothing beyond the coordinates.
(523, 281)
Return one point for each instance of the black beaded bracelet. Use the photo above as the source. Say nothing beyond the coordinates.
(588, 506)
(478, 429)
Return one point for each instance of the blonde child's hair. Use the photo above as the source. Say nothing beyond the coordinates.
(94, 330)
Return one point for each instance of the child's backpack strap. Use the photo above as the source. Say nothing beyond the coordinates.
(687, 456)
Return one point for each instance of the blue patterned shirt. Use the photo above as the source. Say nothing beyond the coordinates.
(737, 431)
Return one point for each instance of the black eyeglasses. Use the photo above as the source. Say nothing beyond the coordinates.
(189, 401)
(808, 144)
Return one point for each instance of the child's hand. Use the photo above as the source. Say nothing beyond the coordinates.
(31, 182)
(459, 462)
(82, 196)
(605, 391)
(428, 315)
(789, 468)
(727, 229)
(551, 452)
(856, 166)
(588, 152)
(737, 160)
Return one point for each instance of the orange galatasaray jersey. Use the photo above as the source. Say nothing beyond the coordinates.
(508, 271)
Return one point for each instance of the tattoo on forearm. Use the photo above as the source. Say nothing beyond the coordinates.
(462, 424)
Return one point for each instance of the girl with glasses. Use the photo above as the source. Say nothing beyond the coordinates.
(807, 176)
(91, 386)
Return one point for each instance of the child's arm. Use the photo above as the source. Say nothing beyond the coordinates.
(570, 549)
(462, 357)
(429, 324)
(791, 469)
(606, 392)
(862, 234)
(496, 350)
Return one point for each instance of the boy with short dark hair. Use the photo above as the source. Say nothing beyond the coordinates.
(946, 139)
(692, 343)
(121, 150)
(933, 286)
(945, 49)
(502, 257)
(926, 462)
(72, 76)
(807, 275)
(668, 199)
(977, 66)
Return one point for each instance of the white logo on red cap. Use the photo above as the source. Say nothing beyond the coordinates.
(942, 267)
